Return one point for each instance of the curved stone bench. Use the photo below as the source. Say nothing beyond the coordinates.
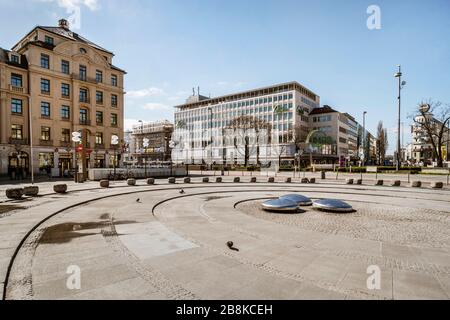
(437, 185)
(271, 180)
(31, 191)
(304, 180)
(379, 182)
(312, 180)
(187, 180)
(205, 180)
(60, 188)
(359, 181)
(416, 184)
(219, 179)
(172, 180)
(349, 181)
(237, 180)
(131, 182)
(253, 179)
(104, 183)
(396, 183)
(14, 194)
(151, 181)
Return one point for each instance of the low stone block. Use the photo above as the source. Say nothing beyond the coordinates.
(396, 183)
(15, 193)
(379, 182)
(312, 180)
(205, 180)
(349, 181)
(219, 179)
(437, 185)
(151, 181)
(416, 184)
(104, 183)
(187, 180)
(288, 180)
(172, 180)
(304, 180)
(359, 181)
(131, 182)
(271, 179)
(31, 191)
(253, 179)
(237, 179)
(60, 188)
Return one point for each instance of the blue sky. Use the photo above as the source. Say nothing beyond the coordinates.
(224, 46)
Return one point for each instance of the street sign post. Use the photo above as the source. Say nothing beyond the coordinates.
(114, 143)
(146, 143)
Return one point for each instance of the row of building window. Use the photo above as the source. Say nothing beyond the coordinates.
(17, 133)
(65, 68)
(17, 108)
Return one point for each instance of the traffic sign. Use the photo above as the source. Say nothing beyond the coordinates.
(76, 136)
(114, 140)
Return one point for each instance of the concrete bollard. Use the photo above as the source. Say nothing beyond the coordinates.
(237, 180)
(31, 191)
(437, 185)
(171, 180)
(288, 180)
(379, 182)
(253, 179)
(131, 182)
(322, 175)
(60, 188)
(187, 180)
(14, 194)
(219, 179)
(396, 183)
(271, 180)
(151, 181)
(312, 180)
(304, 180)
(349, 181)
(104, 183)
(416, 184)
(359, 181)
(205, 180)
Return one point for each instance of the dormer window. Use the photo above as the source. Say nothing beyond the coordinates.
(83, 50)
(49, 40)
(15, 58)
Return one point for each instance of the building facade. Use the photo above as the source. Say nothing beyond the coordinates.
(256, 126)
(158, 135)
(71, 85)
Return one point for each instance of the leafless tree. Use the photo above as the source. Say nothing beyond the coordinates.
(432, 118)
(382, 143)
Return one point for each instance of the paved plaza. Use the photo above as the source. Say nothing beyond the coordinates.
(156, 242)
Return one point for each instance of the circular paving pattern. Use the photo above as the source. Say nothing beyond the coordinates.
(170, 245)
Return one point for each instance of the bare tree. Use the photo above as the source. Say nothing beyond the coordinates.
(382, 143)
(432, 120)
(246, 127)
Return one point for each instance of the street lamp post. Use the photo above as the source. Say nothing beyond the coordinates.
(364, 139)
(400, 87)
(210, 136)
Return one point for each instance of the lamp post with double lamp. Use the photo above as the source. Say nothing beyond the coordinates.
(401, 84)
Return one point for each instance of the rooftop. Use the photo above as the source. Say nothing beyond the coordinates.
(324, 109)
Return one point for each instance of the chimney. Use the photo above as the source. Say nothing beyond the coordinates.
(63, 23)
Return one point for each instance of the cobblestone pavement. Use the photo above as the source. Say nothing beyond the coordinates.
(153, 242)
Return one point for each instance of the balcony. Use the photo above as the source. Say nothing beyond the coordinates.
(46, 143)
(17, 141)
(76, 76)
(16, 89)
(85, 122)
(85, 100)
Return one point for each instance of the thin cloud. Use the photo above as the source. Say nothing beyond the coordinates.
(144, 93)
(71, 5)
(153, 106)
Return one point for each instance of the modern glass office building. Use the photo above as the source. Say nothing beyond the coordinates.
(256, 126)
